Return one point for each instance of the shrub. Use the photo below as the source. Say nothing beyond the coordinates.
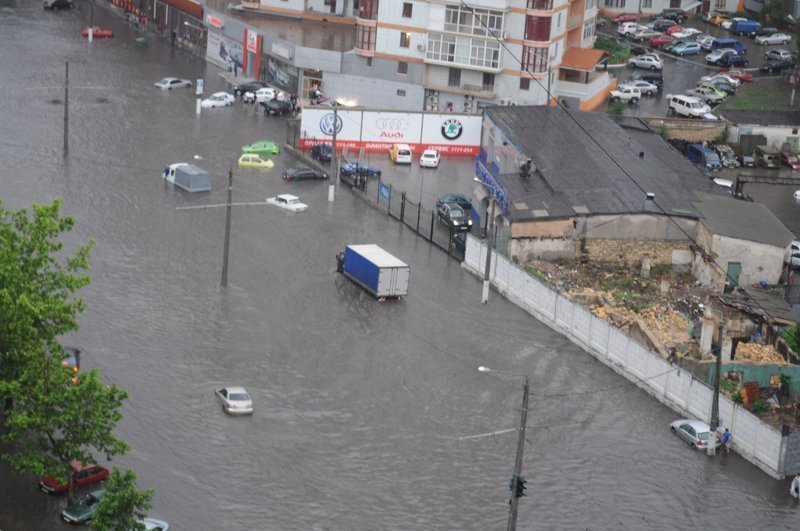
(759, 406)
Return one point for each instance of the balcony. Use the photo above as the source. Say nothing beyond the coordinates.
(574, 21)
(540, 5)
(463, 52)
(485, 92)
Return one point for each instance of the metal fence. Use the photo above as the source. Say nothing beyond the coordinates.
(775, 453)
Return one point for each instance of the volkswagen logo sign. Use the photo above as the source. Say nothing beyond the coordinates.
(452, 129)
(327, 126)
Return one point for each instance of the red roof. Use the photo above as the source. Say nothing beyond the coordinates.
(582, 58)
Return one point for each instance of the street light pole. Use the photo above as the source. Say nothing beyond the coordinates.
(489, 245)
(227, 231)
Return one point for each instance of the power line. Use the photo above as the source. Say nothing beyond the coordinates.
(602, 149)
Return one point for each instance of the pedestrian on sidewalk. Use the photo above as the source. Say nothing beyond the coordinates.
(726, 441)
(794, 490)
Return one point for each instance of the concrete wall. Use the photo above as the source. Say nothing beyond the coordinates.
(689, 130)
(759, 261)
(775, 135)
(376, 86)
(756, 441)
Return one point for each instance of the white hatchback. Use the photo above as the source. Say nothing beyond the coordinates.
(288, 202)
(429, 159)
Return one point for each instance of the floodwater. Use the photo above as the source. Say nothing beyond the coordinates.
(364, 410)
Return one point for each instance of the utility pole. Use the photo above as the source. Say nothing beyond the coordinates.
(712, 446)
(227, 230)
(490, 244)
(334, 160)
(512, 511)
(66, 110)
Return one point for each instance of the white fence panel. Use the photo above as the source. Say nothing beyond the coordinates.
(500, 271)
(637, 361)
(678, 384)
(473, 252)
(516, 284)
(657, 370)
(726, 409)
(745, 432)
(699, 402)
(564, 309)
(581, 325)
(543, 299)
(767, 447)
(618, 348)
(599, 338)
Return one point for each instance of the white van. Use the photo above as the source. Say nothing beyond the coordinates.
(400, 154)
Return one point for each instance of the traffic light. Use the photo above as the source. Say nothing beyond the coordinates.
(520, 487)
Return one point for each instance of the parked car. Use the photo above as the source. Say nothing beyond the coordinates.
(359, 168)
(251, 160)
(708, 95)
(767, 31)
(738, 74)
(732, 59)
(262, 147)
(726, 156)
(778, 55)
(645, 87)
(746, 161)
(235, 400)
(717, 55)
(322, 152)
(625, 93)
(625, 17)
(719, 85)
(790, 159)
(252, 86)
(218, 99)
(626, 29)
(726, 25)
(721, 77)
(169, 83)
(661, 24)
(706, 43)
(98, 32)
(675, 28)
(277, 107)
(695, 432)
(686, 33)
(767, 159)
(153, 524)
(429, 159)
(745, 27)
(292, 204)
(57, 4)
(661, 41)
(775, 38)
(700, 154)
(82, 475)
(304, 173)
(263, 95)
(646, 61)
(400, 153)
(655, 78)
(777, 65)
(674, 14)
(455, 217)
(686, 48)
(83, 510)
(718, 18)
(687, 106)
(643, 34)
(458, 199)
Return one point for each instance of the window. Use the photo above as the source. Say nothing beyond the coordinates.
(647, 3)
(524, 83)
(407, 9)
(405, 39)
(558, 21)
(615, 3)
(488, 82)
(402, 67)
(534, 59)
(368, 9)
(472, 51)
(590, 4)
(473, 21)
(401, 93)
(537, 28)
(454, 77)
(544, 5)
(365, 37)
(719, 5)
(588, 28)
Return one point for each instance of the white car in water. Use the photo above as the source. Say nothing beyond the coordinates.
(429, 159)
(263, 95)
(288, 202)
(218, 99)
(235, 400)
(169, 83)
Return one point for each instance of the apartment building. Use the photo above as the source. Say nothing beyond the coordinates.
(443, 55)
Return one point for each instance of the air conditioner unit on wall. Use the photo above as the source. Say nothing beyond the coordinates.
(421, 47)
(433, 99)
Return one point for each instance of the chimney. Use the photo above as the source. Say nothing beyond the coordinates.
(649, 202)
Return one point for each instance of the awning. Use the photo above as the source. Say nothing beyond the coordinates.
(584, 59)
(692, 5)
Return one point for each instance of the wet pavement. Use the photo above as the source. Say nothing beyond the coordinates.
(361, 407)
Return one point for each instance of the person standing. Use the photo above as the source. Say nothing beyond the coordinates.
(293, 101)
(726, 441)
(794, 489)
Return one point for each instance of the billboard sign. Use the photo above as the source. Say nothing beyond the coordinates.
(252, 42)
(453, 134)
(223, 51)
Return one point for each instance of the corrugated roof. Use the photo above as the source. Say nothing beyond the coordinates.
(582, 58)
(743, 220)
(572, 171)
(742, 117)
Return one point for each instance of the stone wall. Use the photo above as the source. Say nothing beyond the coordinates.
(689, 130)
(631, 252)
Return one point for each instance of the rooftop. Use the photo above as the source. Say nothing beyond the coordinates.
(579, 160)
(744, 117)
(742, 220)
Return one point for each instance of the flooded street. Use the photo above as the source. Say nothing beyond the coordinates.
(361, 407)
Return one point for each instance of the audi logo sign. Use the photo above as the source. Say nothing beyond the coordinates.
(449, 133)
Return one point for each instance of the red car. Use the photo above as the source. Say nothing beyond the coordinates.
(790, 159)
(626, 17)
(661, 40)
(739, 74)
(83, 475)
(674, 29)
(98, 32)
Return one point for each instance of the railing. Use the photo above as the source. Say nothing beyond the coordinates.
(584, 90)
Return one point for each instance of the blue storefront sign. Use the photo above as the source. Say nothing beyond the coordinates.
(384, 191)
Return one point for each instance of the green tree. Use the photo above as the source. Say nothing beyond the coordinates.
(37, 286)
(123, 505)
(772, 11)
(56, 421)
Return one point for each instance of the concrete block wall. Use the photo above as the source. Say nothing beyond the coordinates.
(631, 252)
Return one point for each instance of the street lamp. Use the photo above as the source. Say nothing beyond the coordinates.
(489, 243)
(512, 510)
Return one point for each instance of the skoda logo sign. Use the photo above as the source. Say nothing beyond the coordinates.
(451, 129)
(327, 126)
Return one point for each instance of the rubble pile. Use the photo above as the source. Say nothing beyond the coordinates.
(758, 353)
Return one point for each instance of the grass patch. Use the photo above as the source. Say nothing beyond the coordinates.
(762, 95)
(659, 270)
(536, 274)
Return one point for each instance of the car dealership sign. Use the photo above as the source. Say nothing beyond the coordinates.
(453, 134)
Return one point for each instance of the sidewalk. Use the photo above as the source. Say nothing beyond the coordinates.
(235, 80)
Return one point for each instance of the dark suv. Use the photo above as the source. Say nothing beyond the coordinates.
(651, 77)
(662, 24)
(678, 15)
(455, 217)
(253, 86)
(731, 60)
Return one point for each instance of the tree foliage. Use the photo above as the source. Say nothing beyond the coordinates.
(123, 505)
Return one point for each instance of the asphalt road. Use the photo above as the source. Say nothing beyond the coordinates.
(363, 409)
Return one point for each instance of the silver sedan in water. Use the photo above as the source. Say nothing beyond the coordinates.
(694, 432)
